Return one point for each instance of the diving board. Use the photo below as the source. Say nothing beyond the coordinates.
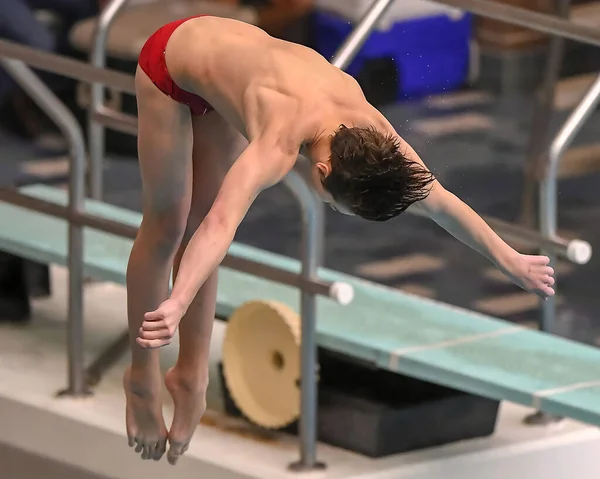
(393, 330)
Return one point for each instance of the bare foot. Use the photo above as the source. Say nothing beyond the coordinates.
(146, 428)
(189, 398)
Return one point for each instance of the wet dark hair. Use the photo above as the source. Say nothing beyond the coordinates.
(371, 176)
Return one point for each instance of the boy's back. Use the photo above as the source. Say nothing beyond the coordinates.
(240, 69)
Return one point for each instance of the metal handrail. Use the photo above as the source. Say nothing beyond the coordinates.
(69, 127)
(530, 19)
(313, 285)
(548, 186)
(50, 62)
(96, 130)
(542, 114)
(353, 43)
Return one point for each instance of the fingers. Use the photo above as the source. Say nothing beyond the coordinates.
(152, 343)
(546, 292)
(545, 289)
(164, 326)
(544, 276)
(535, 260)
(153, 325)
(157, 334)
(154, 315)
(543, 260)
(541, 269)
(542, 281)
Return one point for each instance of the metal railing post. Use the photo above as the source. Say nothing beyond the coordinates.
(548, 208)
(548, 185)
(348, 50)
(311, 258)
(313, 240)
(96, 130)
(542, 119)
(69, 127)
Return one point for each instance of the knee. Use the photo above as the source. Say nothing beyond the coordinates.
(163, 231)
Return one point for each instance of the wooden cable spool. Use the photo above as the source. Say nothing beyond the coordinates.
(261, 362)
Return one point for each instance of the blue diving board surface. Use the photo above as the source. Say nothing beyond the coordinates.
(393, 330)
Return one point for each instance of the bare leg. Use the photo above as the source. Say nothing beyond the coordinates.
(188, 379)
(216, 146)
(165, 154)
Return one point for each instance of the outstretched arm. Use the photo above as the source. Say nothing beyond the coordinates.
(532, 273)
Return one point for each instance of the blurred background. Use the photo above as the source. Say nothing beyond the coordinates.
(480, 101)
(461, 89)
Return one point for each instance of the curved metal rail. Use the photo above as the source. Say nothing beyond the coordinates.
(69, 127)
(548, 187)
(96, 130)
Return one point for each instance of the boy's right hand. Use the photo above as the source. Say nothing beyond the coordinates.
(159, 326)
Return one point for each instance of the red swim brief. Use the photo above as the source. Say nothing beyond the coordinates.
(152, 62)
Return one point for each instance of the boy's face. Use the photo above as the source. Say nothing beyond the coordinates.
(317, 183)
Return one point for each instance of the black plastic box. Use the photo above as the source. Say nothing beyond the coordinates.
(20, 280)
(377, 413)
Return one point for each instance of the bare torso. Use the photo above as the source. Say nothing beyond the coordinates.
(256, 81)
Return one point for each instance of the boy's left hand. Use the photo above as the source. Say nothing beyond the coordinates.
(532, 273)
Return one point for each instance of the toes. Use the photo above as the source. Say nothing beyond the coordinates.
(175, 451)
(139, 447)
(155, 451)
(161, 447)
(150, 450)
(131, 441)
(172, 458)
